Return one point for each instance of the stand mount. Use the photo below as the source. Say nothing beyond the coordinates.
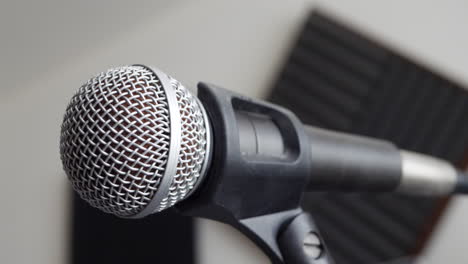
(254, 185)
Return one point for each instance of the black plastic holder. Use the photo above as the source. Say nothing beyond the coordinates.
(253, 187)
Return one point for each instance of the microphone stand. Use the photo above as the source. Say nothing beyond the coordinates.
(289, 237)
(252, 188)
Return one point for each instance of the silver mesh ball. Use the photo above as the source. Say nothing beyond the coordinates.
(116, 136)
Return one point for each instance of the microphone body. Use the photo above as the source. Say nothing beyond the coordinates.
(345, 162)
(349, 163)
(134, 142)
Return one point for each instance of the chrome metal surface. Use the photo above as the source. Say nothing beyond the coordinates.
(426, 175)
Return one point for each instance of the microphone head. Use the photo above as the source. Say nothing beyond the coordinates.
(134, 141)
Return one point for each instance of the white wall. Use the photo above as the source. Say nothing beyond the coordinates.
(48, 48)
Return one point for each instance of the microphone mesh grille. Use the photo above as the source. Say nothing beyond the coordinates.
(115, 141)
(193, 146)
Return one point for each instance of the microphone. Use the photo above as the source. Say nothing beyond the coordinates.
(134, 141)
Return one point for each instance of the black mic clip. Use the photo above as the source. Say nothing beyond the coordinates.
(260, 162)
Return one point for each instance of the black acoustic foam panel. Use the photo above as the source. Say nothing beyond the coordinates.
(338, 79)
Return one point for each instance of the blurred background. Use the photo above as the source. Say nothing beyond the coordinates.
(49, 48)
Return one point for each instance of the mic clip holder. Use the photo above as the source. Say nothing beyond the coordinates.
(260, 166)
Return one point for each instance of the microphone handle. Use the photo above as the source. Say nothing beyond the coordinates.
(351, 163)
(332, 161)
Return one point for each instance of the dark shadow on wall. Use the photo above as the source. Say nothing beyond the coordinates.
(99, 238)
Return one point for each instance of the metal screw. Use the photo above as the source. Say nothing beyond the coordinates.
(312, 245)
